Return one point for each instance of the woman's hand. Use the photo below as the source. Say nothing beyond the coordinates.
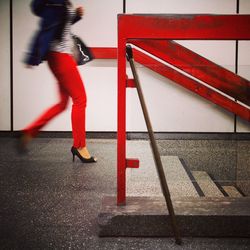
(80, 11)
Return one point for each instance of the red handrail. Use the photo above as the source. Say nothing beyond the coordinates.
(173, 27)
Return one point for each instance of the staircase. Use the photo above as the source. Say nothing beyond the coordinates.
(181, 180)
(202, 206)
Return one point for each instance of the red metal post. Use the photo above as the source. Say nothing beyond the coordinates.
(121, 128)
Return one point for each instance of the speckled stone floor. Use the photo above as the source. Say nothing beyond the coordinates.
(49, 202)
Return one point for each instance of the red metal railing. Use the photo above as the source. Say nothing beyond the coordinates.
(174, 27)
(147, 32)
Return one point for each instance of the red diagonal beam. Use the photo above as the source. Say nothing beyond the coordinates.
(192, 85)
(183, 26)
(199, 67)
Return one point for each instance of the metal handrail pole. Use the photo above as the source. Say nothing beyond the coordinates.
(156, 154)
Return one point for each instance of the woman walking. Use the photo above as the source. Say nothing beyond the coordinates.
(54, 43)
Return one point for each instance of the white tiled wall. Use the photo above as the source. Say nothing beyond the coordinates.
(181, 6)
(171, 107)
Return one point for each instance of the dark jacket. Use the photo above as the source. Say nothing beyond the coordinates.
(53, 16)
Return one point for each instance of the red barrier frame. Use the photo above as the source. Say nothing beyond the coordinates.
(170, 27)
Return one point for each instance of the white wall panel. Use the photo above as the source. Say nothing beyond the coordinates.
(5, 65)
(244, 63)
(101, 86)
(181, 6)
(35, 89)
(99, 25)
(244, 7)
(180, 109)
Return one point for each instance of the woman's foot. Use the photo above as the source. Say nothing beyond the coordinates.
(84, 152)
(83, 155)
(23, 141)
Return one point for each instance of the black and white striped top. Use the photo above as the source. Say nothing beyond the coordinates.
(65, 45)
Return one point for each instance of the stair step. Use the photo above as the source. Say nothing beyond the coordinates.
(145, 182)
(180, 184)
(195, 216)
(232, 191)
(207, 185)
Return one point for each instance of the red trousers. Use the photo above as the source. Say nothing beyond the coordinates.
(71, 85)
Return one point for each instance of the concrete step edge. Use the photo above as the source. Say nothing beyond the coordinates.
(195, 216)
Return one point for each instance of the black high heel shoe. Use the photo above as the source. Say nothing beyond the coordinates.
(75, 152)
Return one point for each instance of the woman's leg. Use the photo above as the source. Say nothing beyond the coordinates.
(65, 70)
